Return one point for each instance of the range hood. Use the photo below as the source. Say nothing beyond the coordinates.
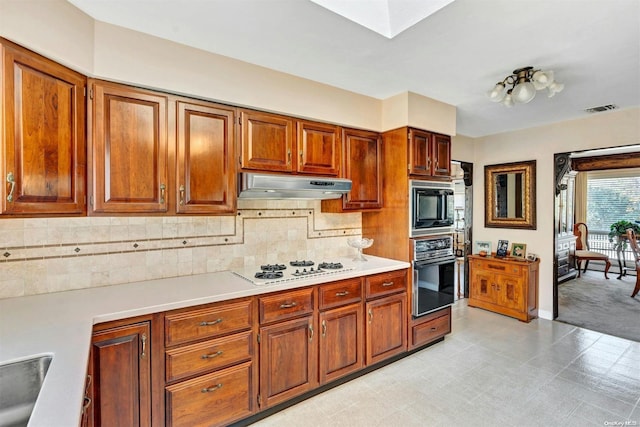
(266, 186)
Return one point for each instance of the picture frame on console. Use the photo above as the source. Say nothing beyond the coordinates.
(518, 250)
(482, 246)
(503, 248)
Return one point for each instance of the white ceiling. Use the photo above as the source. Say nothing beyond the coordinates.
(455, 55)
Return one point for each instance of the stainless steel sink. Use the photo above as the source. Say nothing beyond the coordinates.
(20, 383)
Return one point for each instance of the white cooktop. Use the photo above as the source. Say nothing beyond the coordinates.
(293, 273)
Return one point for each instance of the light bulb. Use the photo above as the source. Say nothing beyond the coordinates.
(554, 88)
(540, 77)
(508, 100)
(497, 93)
(524, 92)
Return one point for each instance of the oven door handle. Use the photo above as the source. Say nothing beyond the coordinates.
(440, 261)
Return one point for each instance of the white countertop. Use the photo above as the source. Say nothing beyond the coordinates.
(61, 323)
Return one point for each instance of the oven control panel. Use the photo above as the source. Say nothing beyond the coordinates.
(434, 247)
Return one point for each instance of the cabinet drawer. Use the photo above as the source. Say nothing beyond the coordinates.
(430, 330)
(212, 400)
(209, 355)
(207, 322)
(340, 293)
(285, 305)
(498, 267)
(387, 283)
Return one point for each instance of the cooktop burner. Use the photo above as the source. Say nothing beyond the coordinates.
(330, 265)
(301, 263)
(273, 267)
(279, 273)
(268, 275)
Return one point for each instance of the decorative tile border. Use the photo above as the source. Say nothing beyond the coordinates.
(184, 237)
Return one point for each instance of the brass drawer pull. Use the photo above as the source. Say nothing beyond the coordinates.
(210, 389)
(143, 338)
(288, 305)
(385, 284)
(11, 180)
(433, 328)
(214, 322)
(342, 294)
(211, 355)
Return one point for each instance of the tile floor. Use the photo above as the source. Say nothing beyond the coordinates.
(491, 370)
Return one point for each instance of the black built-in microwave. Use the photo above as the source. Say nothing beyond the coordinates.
(431, 208)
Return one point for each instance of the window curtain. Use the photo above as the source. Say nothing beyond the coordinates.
(580, 201)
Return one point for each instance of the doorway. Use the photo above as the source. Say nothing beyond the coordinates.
(462, 177)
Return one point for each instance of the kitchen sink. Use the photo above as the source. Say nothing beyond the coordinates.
(20, 383)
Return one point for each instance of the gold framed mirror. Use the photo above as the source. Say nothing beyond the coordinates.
(510, 195)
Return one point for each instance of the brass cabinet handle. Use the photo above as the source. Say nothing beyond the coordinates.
(211, 355)
(181, 195)
(370, 315)
(301, 156)
(210, 389)
(385, 284)
(324, 328)
(288, 157)
(162, 190)
(342, 294)
(144, 346)
(288, 305)
(85, 405)
(310, 332)
(11, 180)
(433, 328)
(213, 322)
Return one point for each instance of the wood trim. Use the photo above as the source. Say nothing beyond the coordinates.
(613, 161)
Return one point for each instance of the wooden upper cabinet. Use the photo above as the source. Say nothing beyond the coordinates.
(429, 154)
(268, 142)
(420, 150)
(206, 178)
(441, 155)
(319, 150)
(362, 164)
(128, 131)
(43, 127)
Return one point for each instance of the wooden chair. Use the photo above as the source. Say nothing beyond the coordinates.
(583, 253)
(633, 242)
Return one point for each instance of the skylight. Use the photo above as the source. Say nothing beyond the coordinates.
(386, 17)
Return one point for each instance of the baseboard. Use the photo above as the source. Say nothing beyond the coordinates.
(544, 314)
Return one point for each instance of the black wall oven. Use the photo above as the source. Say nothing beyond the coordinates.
(433, 274)
(431, 208)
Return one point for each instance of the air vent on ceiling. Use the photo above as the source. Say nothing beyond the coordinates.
(601, 108)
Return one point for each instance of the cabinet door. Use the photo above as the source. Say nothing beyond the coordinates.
(206, 180)
(128, 150)
(121, 366)
(509, 292)
(482, 286)
(43, 170)
(268, 142)
(420, 152)
(340, 342)
(319, 149)
(441, 155)
(288, 360)
(386, 327)
(363, 166)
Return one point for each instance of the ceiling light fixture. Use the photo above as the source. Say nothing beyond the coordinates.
(524, 83)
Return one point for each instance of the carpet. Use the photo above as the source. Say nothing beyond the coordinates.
(606, 306)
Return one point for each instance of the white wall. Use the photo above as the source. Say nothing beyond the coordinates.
(610, 129)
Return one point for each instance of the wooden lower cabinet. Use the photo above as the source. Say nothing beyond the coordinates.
(288, 357)
(214, 399)
(120, 369)
(386, 327)
(505, 286)
(341, 342)
(222, 363)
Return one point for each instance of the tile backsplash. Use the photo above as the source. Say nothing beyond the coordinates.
(56, 254)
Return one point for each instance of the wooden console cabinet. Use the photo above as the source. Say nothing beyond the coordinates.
(503, 285)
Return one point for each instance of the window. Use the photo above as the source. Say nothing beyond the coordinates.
(612, 195)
